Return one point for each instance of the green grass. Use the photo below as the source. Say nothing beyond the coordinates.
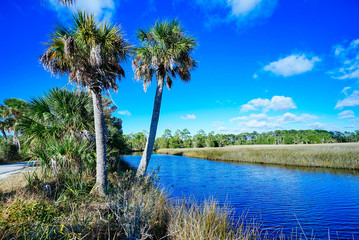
(340, 155)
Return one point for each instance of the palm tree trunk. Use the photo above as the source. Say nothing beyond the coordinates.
(142, 168)
(16, 139)
(4, 133)
(101, 166)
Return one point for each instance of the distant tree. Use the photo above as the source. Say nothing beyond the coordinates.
(176, 141)
(5, 122)
(211, 140)
(165, 52)
(14, 108)
(164, 140)
(199, 140)
(186, 138)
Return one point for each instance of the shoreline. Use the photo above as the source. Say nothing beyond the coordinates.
(333, 156)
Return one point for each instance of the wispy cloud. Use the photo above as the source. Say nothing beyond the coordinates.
(348, 59)
(277, 103)
(263, 122)
(102, 9)
(188, 116)
(319, 125)
(292, 118)
(242, 12)
(316, 125)
(260, 125)
(292, 65)
(350, 101)
(222, 129)
(124, 113)
(283, 119)
(345, 89)
(346, 114)
(217, 123)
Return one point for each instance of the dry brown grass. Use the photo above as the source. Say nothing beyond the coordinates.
(15, 181)
(209, 220)
(340, 155)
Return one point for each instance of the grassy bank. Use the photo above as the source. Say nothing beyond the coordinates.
(340, 155)
(39, 206)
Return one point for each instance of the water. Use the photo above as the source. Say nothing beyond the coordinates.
(281, 197)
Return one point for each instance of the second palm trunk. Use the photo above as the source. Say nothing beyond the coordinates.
(142, 168)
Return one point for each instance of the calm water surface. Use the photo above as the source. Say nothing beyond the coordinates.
(319, 199)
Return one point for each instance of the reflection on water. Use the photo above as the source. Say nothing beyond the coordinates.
(320, 199)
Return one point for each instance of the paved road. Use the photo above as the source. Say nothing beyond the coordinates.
(11, 167)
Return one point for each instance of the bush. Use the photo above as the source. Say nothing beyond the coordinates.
(8, 152)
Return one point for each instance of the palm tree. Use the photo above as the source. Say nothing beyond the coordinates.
(90, 54)
(165, 52)
(14, 108)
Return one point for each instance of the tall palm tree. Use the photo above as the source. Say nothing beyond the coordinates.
(90, 54)
(165, 52)
(14, 108)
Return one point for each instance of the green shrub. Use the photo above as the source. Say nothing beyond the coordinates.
(8, 152)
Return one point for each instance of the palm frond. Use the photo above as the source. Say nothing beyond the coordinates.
(165, 50)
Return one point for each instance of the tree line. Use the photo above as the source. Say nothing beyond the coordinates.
(184, 139)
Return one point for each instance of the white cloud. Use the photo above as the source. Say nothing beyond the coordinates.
(263, 125)
(102, 9)
(263, 122)
(346, 114)
(277, 103)
(351, 101)
(348, 59)
(345, 90)
(188, 116)
(222, 129)
(322, 126)
(292, 118)
(255, 76)
(217, 123)
(239, 11)
(292, 65)
(260, 116)
(316, 125)
(124, 113)
(350, 126)
(243, 7)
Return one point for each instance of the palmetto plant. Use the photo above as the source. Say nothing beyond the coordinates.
(90, 54)
(59, 127)
(165, 53)
(58, 114)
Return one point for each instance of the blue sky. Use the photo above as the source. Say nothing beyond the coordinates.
(263, 65)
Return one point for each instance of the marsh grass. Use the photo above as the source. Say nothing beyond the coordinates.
(67, 207)
(341, 155)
